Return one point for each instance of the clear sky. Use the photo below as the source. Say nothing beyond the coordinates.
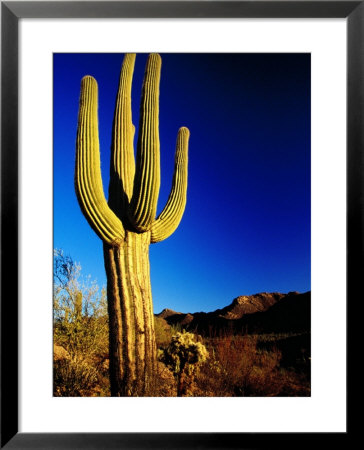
(246, 227)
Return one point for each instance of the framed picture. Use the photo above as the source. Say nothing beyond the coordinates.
(297, 65)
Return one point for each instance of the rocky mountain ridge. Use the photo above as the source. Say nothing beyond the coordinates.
(263, 312)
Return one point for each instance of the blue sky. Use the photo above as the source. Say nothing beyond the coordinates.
(246, 227)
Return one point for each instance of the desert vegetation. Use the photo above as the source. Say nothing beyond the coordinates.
(183, 356)
(80, 330)
(241, 366)
(190, 364)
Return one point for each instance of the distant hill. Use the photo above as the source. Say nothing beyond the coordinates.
(258, 313)
(167, 313)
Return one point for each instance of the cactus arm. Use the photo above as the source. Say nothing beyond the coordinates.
(170, 217)
(143, 205)
(122, 165)
(88, 181)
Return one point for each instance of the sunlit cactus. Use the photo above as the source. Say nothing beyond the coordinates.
(182, 356)
(127, 222)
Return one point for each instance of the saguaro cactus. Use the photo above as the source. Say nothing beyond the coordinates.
(127, 222)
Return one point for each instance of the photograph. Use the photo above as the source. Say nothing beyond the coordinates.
(181, 225)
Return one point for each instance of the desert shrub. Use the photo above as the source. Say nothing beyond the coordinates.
(73, 378)
(163, 332)
(80, 328)
(237, 368)
(182, 357)
(177, 328)
(80, 310)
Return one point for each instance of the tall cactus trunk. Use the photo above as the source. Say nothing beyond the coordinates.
(132, 347)
(127, 222)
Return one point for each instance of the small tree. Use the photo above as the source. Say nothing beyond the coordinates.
(79, 308)
(80, 329)
(182, 356)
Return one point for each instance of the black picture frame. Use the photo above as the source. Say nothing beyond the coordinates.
(11, 12)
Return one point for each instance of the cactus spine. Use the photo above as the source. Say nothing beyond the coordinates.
(127, 222)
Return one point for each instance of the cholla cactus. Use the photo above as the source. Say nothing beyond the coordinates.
(126, 223)
(182, 356)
